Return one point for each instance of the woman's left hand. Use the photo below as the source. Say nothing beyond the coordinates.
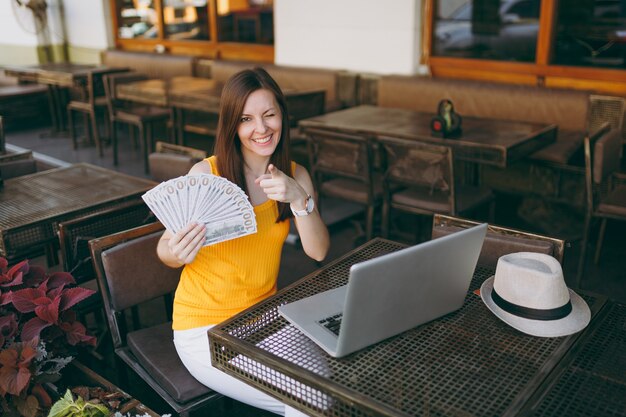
(280, 187)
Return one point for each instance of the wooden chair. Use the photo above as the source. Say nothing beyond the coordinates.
(500, 240)
(303, 105)
(94, 101)
(420, 179)
(74, 236)
(605, 187)
(342, 167)
(142, 117)
(171, 161)
(196, 122)
(129, 274)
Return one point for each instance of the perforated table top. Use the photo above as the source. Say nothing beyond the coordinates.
(468, 363)
(32, 205)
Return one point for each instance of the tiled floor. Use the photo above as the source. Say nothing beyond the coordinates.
(607, 278)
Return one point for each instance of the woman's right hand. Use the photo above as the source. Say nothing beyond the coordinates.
(185, 244)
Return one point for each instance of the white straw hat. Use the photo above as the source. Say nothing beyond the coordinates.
(528, 292)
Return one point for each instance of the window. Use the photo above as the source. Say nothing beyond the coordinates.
(137, 19)
(186, 19)
(231, 29)
(591, 33)
(554, 43)
(246, 21)
(504, 31)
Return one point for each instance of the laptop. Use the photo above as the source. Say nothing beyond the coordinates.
(390, 294)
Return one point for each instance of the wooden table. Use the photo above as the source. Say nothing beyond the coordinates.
(203, 95)
(31, 206)
(58, 77)
(157, 92)
(179, 93)
(484, 141)
(467, 363)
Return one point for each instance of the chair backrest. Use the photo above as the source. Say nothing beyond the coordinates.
(412, 163)
(170, 148)
(75, 234)
(340, 154)
(500, 240)
(305, 104)
(95, 82)
(602, 157)
(171, 161)
(111, 81)
(129, 273)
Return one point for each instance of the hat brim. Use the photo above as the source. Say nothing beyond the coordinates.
(574, 322)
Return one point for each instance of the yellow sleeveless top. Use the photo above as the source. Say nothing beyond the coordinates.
(228, 277)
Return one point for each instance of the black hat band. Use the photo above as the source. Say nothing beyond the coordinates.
(531, 313)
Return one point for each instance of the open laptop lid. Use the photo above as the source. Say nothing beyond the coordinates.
(396, 292)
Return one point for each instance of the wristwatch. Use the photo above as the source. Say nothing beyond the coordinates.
(308, 207)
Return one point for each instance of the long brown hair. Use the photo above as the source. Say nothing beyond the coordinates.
(228, 145)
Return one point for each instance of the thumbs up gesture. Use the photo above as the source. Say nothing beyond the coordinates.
(279, 186)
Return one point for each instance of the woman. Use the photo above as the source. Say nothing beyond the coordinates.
(218, 281)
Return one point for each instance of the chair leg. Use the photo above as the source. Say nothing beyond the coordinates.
(583, 252)
(114, 142)
(96, 134)
(144, 141)
(107, 130)
(133, 137)
(70, 122)
(369, 225)
(385, 220)
(86, 124)
(492, 211)
(596, 258)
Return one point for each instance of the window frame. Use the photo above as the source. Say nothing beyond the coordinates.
(541, 72)
(211, 48)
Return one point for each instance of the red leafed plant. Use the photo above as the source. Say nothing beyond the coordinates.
(37, 332)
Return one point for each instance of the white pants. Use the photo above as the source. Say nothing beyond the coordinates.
(193, 349)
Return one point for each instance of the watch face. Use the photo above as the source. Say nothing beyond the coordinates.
(309, 204)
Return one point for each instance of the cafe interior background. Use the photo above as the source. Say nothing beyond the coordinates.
(562, 44)
(565, 44)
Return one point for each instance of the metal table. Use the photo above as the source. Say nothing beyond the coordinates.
(484, 141)
(468, 363)
(31, 206)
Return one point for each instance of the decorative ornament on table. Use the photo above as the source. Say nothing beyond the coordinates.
(447, 123)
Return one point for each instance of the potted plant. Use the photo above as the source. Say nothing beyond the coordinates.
(38, 334)
(91, 395)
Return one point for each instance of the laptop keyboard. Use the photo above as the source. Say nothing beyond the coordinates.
(332, 323)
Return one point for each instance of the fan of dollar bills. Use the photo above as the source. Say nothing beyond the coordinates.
(218, 203)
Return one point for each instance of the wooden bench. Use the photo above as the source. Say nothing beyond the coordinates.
(340, 86)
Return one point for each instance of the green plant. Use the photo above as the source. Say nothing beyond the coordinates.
(38, 331)
(67, 406)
